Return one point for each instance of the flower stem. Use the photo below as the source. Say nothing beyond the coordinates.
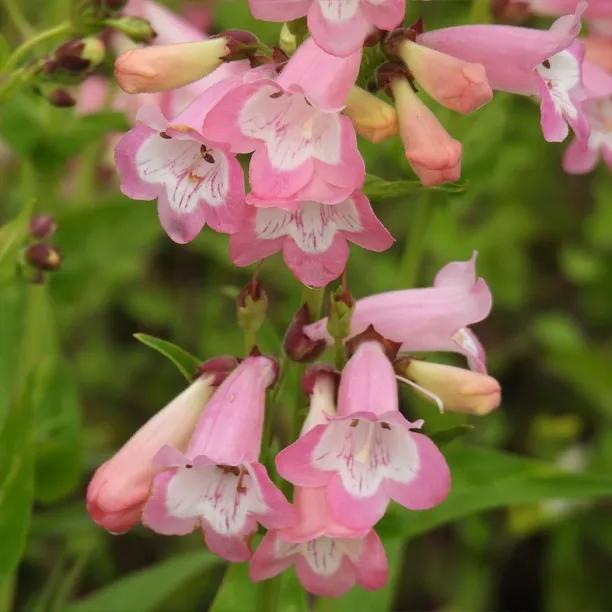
(313, 298)
(22, 51)
(415, 240)
(267, 595)
(17, 17)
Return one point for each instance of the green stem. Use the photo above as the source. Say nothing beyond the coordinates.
(415, 240)
(313, 298)
(22, 51)
(17, 17)
(268, 594)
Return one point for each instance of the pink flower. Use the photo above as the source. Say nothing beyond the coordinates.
(218, 483)
(431, 319)
(328, 557)
(163, 67)
(194, 181)
(169, 27)
(303, 149)
(340, 26)
(598, 51)
(431, 152)
(596, 9)
(528, 62)
(368, 454)
(118, 490)
(313, 237)
(582, 155)
(459, 85)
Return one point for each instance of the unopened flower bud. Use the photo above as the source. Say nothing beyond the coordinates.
(431, 152)
(61, 98)
(42, 226)
(460, 390)
(459, 85)
(287, 40)
(297, 344)
(240, 44)
(79, 55)
(43, 256)
(163, 67)
(372, 117)
(341, 306)
(136, 29)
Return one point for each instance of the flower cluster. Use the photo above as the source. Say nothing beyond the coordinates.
(196, 464)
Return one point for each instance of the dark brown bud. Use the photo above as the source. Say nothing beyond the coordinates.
(390, 347)
(61, 98)
(241, 44)
(297, 344)
(374, 38)
(78, 55)
(42, 226)
(43, 256)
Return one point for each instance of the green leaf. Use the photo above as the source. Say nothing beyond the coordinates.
(16, 479)
(12, 235)
(377, 188)
(445, 436)
(58, 434)
(484, 479)
(184, 361)
(148, 589)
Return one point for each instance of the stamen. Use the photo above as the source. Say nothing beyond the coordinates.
(189, 466)
(354, 423)
(209, 158)
(203, 150)
(385, 425)
(276, 94)
(164, 135)
(546, 64)
(429, 394)
(230, 469)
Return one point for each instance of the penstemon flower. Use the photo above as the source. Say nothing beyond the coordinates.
(369, 453)
(218, 484)
(118, 490)
(431, 319)
(313, 237)
(339, 27)
(303, 148)
(194, 181)
(546, 64)
(328, 557)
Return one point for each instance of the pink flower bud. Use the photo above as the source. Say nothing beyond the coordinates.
(430, 151)
(459, 85)
(459, 389)
(372, 117)
(163, 67)
(120, 487)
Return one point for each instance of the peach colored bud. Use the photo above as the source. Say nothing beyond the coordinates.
(458, 85)
(460, 390)
(163, 67)
(372, 117)
(120, 487)
(430, 151)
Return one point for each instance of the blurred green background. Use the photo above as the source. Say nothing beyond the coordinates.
(527, 526)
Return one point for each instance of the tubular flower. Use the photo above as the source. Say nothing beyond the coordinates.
(194, 181)
(372, 117)
(303, 148)
(546, 64)
(118, 490)
(339, 27)
(328, 557)
(431, 319)
(163, 67)
(460, 390)
(596, 9)
(582, 155)
(431, 152)
(369, 453)
(459, 85)
(218, 483)
(313, 237)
